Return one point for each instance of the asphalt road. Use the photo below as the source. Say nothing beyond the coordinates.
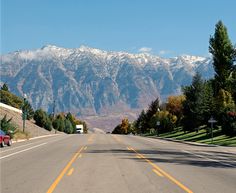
(105, 163)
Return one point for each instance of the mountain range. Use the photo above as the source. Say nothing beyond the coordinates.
(91, 82)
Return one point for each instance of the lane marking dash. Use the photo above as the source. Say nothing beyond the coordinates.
(70, 172)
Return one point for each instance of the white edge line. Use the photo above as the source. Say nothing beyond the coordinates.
(13, 148)
(38, 137)
(22, 151)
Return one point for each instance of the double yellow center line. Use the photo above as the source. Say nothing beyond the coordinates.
(58, 179)
(159, 171)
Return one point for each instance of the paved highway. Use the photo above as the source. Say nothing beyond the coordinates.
(105, 163)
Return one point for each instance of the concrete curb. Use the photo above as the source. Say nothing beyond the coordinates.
(185, 142)
(42, 136)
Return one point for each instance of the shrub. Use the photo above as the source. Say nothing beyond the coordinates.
(42, 119)
(7, 126)
(229, 123)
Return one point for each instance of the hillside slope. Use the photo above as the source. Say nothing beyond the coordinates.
(30, 127)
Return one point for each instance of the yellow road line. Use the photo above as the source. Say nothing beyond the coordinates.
(70, 172)
(80, 155)
(157, 172)
(163, 172)
(137, 156)
(58, 179)
(85, 147)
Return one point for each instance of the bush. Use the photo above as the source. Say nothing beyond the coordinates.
(167, 121)
(48, 124)
(229, 123)
(68, 127)
(7, 126)
(42, 119)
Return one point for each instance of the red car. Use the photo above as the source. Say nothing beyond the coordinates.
(4, 139)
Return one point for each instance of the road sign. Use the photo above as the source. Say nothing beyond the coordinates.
(212, 120)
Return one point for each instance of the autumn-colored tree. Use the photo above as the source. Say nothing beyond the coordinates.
(175, 105)
(123, 128)
(125, 125)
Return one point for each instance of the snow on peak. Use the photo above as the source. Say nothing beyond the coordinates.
(141, 59)
(191, 59)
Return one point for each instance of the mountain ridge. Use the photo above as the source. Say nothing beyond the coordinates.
(89, 81)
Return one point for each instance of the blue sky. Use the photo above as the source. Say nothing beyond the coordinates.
(162, 27)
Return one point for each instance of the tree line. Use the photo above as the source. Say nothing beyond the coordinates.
(60, 122)
(201, 100)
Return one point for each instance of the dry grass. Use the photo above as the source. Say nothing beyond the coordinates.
(31, 130)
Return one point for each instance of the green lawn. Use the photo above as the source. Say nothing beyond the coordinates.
(202, 137)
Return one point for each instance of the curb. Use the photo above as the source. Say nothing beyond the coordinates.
(185, 142)
(42, 136)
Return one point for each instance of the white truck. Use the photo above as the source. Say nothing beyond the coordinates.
(79, 129)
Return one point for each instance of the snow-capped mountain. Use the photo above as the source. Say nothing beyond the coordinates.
(90, 81)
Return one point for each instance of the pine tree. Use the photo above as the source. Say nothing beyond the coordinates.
(207, 107)
(5, 87)
(223, 54)
(141, 123)
(191, 106)
(153, 108)
(28, 109)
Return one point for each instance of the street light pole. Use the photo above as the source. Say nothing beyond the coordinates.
(24, 112)
(158, 122)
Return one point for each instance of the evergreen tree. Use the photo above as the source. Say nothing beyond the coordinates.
(28, 109)
(7, 126)
(40, 117)
(141, 123)
(223, 54)
(59, 123)
(48, 124)
(117, 130)
(72, 120)
(5, 87)
(68, 127)
(153, 108)
(191, 106)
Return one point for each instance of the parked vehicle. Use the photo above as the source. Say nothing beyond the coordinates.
(79, 129)
(5, 139)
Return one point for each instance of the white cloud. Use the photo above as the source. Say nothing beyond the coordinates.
(145, 49)
(164, 52)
